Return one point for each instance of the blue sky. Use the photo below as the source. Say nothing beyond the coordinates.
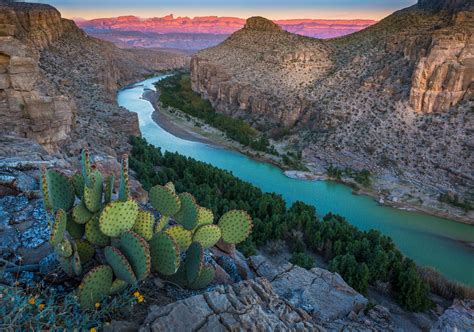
(274, 9)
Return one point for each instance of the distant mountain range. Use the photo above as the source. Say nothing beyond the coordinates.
(201, 32)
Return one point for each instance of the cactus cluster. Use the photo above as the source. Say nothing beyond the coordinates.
(128, 244)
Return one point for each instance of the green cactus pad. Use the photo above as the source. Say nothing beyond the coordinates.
(66, 265)
(205, 216)
(194, 262)
(161, 224)
(187, 215)
(93, 233)
(123, 194)
(170, 186)
(207, 235)
(118, 286)
(204, 279)
(76, 264)
(78, 183)
(118, 217)
(59, 226)
(44, 189)
(120, 265)
(85, 163)
(74, 229)
(137, 251)
(144, 225)
(93, 192)
(109, 189)
(235, 226)
(59, 190)
(81, 214)
(85, 250)
(164, 200)
(64, 248)
(95, 286)
(181, 235)
(165, 256)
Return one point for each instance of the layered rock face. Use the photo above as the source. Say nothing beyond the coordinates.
(25, 108)
(57, 85)
(393, 98)
(254, 73)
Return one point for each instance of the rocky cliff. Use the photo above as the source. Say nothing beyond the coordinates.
(393, 98)
(57, 85)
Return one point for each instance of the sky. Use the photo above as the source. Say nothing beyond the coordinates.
(272, 9)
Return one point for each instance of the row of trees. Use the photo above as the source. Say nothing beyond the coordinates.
(361, 257)
(176, 92)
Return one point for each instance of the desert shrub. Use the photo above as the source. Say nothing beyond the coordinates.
(302, 259)
(441, 286)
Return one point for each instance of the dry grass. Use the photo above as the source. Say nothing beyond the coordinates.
(441, 286)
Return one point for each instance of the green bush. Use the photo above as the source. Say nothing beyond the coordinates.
(302, 259)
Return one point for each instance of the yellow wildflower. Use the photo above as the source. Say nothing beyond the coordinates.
(93, 329)
(41, 306)
(136, 294)
(97, 305)
(140, 298)
(32, 301)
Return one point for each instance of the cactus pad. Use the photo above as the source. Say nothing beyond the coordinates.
(164, 200)
(204, 279)
(161, 224)
(109, 188)
(78, 183)
(74, 229)
(93, 192)
(165, 257)
(205, 216)
(144, 225)
(235, 226)
(59, 226)
(85, 163)
(207, 235)
(66, 265)
(85, 250)
(181, 235)
(120, 265)
(118, 286)
(194, 262)
(137, 251)
(93, 233)
(118, 217)
(76, 264)
(59, 190)
(187, 215)
(80, 214)
(95, 286)
(64, 248)
(123, 194)
(170, 186)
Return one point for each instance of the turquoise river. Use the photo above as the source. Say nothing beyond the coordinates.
(429, 240)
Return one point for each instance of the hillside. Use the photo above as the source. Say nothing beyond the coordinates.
(393, 98)
(57, 85)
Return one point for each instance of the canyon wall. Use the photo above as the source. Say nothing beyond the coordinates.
(58, 85)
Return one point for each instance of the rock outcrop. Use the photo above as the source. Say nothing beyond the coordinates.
(394, 98)
(57, 85)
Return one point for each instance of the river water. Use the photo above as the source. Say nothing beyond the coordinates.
(429, 240)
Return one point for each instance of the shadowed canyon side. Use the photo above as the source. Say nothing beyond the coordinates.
(57, 85)
(393, 98)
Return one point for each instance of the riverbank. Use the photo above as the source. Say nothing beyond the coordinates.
(186, 127)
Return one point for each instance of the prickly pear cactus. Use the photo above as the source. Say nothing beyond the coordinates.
(194, 262)
(120, 265)
(78, 183)
(206, 276)
(164, 200)
(93, 192)
(95, 286)
(118, 217)
(80, 214)
(93, 233)
(235, 226)
(187, 215)
(123, 186)
(137, 251)
(64, 248)
(118, 286)
(181, 235)
(144, 225)
(109, 188)
(165, 254)
(205, 216)
(85, 250)
(75, 230)
(207, 235)
(58, 228)
(58, 192)
(161, 224)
